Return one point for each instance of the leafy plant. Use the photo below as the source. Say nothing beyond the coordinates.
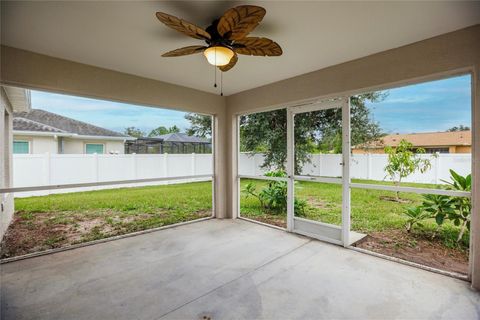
(274, 195)
(404, 160)
(462, 205)
(415, 215)
(456, 209)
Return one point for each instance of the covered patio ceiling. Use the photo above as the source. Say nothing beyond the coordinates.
(126, 36)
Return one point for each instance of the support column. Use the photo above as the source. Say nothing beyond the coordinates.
(231, 172)
(475, 223)
(221, 148)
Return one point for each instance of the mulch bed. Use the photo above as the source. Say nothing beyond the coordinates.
(407, 246)
(416, 248)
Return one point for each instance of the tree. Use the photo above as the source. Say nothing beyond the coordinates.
(163, 130)
(404, 160)
(266, 132)
(200, 125)
(459, 128)
(134, 132)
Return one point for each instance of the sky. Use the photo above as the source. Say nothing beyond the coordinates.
(106, 114)
(426, 107)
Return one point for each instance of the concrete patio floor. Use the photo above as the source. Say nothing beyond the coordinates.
(225, 269)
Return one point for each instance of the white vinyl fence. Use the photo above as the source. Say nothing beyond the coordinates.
(44, 169)
(366, 166)
(53, 169)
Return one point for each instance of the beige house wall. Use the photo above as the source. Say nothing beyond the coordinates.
(6, 200)
(77, 146)
(49, 144)
(38, 144)
(463, 149)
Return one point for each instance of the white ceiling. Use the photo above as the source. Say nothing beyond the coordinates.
(127, 37)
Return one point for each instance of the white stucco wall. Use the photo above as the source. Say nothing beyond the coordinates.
(6, 200)
(49, 144)
(39, 144)
(76, 146)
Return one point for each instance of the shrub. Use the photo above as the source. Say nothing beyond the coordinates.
(274, 196)
(415, 215)
(441, 207)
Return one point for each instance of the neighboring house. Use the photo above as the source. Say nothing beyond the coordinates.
(169, 143)
(40, 131)
(441, 142)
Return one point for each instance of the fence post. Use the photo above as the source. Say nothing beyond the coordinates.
(46, 168)
(97, 171)
(320, 155)
(192, 165)
(437, 167)
(369, 166)
(134, 165)
(165, 165)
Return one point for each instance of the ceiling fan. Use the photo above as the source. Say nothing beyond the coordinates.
(225, 37)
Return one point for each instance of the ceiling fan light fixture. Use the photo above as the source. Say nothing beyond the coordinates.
(218, 55)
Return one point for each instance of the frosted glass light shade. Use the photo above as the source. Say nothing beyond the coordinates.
(218, 56)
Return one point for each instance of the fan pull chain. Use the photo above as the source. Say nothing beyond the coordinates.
(221, 83)
(215, 72)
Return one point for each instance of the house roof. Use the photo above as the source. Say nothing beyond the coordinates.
(44, 121)
(427, 139)
(181, 137)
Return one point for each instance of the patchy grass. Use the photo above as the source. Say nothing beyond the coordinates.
(60, 220)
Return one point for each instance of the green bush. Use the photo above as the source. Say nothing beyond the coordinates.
(274, 196)
(442, 208)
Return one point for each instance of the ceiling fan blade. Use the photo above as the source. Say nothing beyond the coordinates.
(184, 51)
(257, 47)
(183, 26)
(236, 23)
(230, 65)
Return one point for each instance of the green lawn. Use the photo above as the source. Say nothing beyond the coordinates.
(58, 220)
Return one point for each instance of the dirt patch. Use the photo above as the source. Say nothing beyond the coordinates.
(416, 248)
(35, 232)
(317, 203)
(279, 222)
(394, 199)
(25, 236)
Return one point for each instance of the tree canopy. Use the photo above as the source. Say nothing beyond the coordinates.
(200, 125)
(459, 128)
(134, 132)
(319, 131)
(163, 130)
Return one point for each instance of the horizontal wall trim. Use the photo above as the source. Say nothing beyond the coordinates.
(103, 183)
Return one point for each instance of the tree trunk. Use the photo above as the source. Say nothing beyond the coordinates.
(462, 230)
(397, 193)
